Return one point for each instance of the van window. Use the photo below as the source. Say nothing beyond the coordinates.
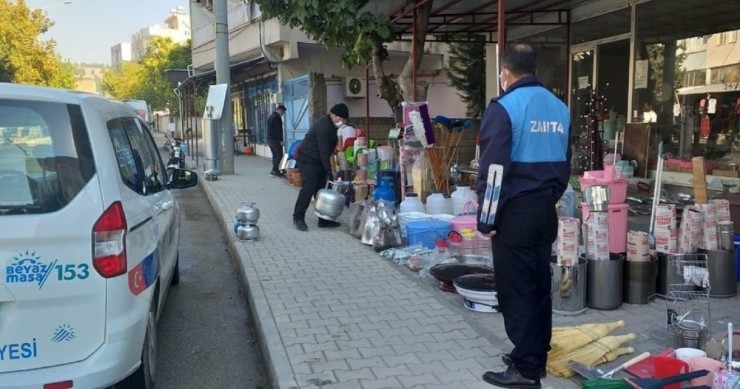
(140, 169)
(45, 156)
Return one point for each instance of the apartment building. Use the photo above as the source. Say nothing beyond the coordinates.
(176, 26)
(120, 53)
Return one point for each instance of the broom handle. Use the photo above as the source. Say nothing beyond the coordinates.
(627, 364)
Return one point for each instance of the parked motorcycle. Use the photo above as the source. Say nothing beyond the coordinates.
(177, 155)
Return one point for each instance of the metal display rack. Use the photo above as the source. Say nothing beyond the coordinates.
(687, 296)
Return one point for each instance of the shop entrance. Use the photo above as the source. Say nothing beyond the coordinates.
(601, 68)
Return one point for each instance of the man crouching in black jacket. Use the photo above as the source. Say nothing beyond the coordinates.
(314, 162)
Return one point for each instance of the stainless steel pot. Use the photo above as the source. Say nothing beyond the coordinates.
(248, 232)
(330, 202)
(689, 333)
(247, 213)
(597, 197)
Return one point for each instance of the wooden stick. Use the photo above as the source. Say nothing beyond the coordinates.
(700, 180)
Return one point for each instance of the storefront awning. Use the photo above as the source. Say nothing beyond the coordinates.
(714, 88)
(695, 61)
(211, 74)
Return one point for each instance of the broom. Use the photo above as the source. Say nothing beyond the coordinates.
(588, 355)
(567, 339)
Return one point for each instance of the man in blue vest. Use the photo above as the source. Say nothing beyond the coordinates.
(527, 131)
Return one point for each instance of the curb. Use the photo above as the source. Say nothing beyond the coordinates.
(274, 353)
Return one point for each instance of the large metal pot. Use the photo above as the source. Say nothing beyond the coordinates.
(597, 197)
(247, 213)
(248, 232)
(329, 202)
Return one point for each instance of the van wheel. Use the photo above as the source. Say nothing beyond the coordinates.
(176, 272)
(143, 377)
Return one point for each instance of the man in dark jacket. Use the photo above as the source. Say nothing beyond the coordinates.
(275, 138)
(527, 131)
(314, 162)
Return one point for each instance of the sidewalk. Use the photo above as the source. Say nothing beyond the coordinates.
(332, 313)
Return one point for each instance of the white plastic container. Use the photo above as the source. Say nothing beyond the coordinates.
(437, 204)
(460, 196)
(411, 203)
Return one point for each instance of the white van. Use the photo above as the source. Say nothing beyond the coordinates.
(89, 234)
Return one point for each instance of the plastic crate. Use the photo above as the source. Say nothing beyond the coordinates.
(427, 232)
(617, 226)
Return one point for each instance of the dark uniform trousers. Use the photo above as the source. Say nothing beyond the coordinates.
(314, 179)
(521, 253)
(277, 154)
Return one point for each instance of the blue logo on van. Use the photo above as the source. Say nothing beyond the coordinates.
(27, 269)
(64, 332)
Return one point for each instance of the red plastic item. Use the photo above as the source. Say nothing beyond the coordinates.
(646, 367)
(669, 367)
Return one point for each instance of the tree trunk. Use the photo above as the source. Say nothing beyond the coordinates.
(405, 79)
(387, 88)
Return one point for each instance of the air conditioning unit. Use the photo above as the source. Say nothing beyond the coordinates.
(354, 87)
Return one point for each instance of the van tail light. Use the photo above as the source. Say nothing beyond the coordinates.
(109, 242)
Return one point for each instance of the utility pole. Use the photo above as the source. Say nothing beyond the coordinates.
(223, 76)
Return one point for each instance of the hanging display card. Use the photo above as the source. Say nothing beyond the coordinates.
(641, 74)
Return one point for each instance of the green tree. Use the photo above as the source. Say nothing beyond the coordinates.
(24, 57)
(467, 73)
(146, 79)
(361, 32)
(656, 58)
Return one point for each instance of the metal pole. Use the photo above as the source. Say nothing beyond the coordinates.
(501, 34)
(367, 100)
(223, 76)
(568, 38)
(413, 54)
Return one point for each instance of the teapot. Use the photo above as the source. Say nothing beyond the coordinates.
(247, 213)
(329, 201)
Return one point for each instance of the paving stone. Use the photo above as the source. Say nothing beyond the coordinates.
(360, 363)
(387, 383)
(358, 374)
(393, 371)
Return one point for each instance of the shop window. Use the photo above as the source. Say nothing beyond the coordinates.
(696, 77)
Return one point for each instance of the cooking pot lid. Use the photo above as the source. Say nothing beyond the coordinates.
(476, 282)
(447, 272)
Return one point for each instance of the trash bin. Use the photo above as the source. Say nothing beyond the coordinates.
(639, 280)
(604, 282)
(568, 287)
(722, 268)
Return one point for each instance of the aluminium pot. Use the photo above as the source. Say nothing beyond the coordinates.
(597, 197)
(247, 213)
(329, 202)
(248, 232)
(689, 333)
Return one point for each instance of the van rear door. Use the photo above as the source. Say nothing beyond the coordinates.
(52, 300)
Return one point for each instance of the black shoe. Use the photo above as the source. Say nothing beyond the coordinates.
(328, 223)
(301, 225)
(276, 174)
(506, 359)
(511, 378)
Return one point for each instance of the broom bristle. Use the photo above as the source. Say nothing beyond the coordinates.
(567, 339)
(588, 355)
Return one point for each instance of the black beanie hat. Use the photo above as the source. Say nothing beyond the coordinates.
(340, 110)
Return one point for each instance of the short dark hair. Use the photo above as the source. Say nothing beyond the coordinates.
(520, 59)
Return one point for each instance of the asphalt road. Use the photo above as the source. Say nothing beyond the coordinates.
(205, 334)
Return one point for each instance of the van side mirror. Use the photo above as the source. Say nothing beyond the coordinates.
(181, 178)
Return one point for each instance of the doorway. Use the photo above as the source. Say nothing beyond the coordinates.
(601, 68)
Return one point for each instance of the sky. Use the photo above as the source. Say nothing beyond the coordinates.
(85, 30)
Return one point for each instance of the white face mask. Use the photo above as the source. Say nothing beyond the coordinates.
(502, 81)
(338, 124)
